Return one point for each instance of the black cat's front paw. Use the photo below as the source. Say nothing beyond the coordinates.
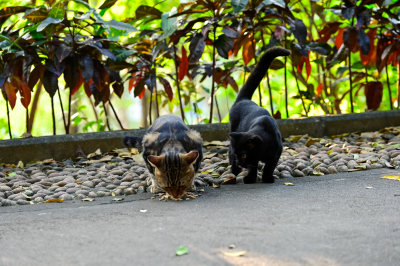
(235, 170)
(249, 179)
(268, 179)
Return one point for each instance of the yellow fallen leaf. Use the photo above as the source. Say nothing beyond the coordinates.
(53, 200)
(391, 177)
(329, 152)
(234, 253)
(78, 182)
(87, 199)
(288, 184)
(311, 141)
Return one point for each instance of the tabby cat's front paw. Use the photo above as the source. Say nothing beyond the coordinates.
(154, 189)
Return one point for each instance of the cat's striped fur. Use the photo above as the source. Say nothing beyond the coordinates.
(172, 153)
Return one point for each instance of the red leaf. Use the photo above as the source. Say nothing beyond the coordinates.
(167, 88)
(10, 93)
(308, 67)
(233, 83)
(25, 93)
(339, 38)
(141, 95)
(370, 59)
(78, 83)
(373, 93)
(184, 65)
(248, 52)
(301, 64)
(319, 89)
(86, 85)
(134, 80)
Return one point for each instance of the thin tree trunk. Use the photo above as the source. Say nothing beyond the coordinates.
(8, 120)
(388, 86)
(178, 84)
(270, 95)
(150, 108)
(27, 119)
(398, 86)
(34, 106)
(94, 109)
(213, 79)
(351, 84)
(69, 110)
(62, 112)
(106, 115)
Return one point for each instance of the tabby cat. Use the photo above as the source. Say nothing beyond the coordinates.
(254, 134)
(172, 153)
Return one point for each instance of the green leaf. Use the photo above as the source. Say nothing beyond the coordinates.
(57, 11)
(12, 174)
(119, 25)
(280, 3)
(181, 250)
(83, 3)
(168, 24)
(107, 4)
(36, 15)
(47, 22)
(238, 5)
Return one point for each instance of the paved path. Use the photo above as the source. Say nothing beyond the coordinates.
(343, 219)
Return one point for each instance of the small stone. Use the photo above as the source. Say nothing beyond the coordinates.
(285, 174)
(130, 191)
(38, 199)
(66, 196)
(82, 192)
(298, 173)
(101, 193)
(22, 202)
(88, 184)
(141, 189)
(4, 188)
(332, 169)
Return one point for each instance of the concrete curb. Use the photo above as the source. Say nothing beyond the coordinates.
(65, 146)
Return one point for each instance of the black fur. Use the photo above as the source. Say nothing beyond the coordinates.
(254, 133)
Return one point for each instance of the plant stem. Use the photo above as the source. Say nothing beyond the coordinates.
(53, 115)
(398, 86)
(94, 109)
(285, 73)
(351, 84)
(27, 119)
(178, 84)
(388, 86)
(270, 95)
(150, 107)
(218, 111)
(115, 113)
(298, 89)
(8, 120)
(213, 79)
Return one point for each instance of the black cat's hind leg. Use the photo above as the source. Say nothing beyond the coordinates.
(251, 176)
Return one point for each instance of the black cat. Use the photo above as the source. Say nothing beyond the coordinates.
(254, 133)
(172, 153)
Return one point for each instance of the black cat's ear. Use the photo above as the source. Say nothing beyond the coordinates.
(254, 141)
(155, 160)
(234, 136)
(190, 157)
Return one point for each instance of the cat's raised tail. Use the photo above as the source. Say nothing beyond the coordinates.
(259, 72)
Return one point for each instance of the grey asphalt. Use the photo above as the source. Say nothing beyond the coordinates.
(342, 219)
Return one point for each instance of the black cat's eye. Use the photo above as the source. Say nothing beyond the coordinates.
(244, 156)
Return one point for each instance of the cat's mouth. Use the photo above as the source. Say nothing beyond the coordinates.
(175, 192)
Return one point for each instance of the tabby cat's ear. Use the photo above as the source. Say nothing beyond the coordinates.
(190, 157)
(155, 160)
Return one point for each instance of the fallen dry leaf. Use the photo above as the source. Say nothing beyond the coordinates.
(117, 199)
(239, 253)
(231, 180)
(391, 177)
(94, 154)
(87, 199)
(288, 184)
(53, 200)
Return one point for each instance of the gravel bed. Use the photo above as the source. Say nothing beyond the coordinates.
(122, 171)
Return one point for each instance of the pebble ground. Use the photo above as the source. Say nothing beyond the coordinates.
(122, 172)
